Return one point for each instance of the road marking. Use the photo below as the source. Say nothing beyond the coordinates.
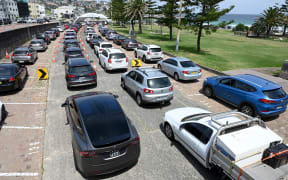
(33, 144)
(21, 127)
(34, 148)
(31, 88)
(33, 152)
(181, 102)
(23, 103)
(18, 174)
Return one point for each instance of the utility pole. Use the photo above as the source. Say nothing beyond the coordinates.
(179, 23)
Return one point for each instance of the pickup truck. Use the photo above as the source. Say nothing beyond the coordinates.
(239, 145)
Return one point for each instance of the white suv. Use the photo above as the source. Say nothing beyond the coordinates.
(89, 36)
(112, 59)
(149, 53)
(99, 47)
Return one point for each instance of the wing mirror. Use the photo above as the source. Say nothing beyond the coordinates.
(64, 104)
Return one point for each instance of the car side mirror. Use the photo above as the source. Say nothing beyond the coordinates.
(181, 126)
(64, 104)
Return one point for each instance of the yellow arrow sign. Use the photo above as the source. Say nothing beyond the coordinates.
(136, 63)
(42, 74)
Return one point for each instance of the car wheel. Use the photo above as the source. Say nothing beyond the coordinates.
(135, 54)
(168, 131)
(247, 109)
(144, 59)
(74, 158)
(139, 100)
(176, 77)
(123, 84)
(208, 91)
(3, 114)
(20, 85)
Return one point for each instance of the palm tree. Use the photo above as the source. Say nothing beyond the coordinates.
(135, 10)
(284, 9)
(272, 17)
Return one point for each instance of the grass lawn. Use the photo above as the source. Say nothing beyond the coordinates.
(221, 50)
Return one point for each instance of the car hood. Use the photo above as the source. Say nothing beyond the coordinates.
(176, 115)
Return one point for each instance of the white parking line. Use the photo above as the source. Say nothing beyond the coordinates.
(18, 174)
(33, 152)
(24, 103)
(33, 144)
(21, 127)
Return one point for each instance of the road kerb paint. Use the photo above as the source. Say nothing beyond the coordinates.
(21, 127)
(18, 174)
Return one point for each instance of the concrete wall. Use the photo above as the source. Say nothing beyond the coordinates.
(9, 40)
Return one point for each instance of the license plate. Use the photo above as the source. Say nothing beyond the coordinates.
(114, 154)
(118, 61)
(194, 72)
(279, 107)
(21, 61)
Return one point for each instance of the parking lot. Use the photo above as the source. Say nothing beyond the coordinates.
(37, 141)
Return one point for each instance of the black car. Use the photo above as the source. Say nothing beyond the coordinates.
(103, 138)
(119, 39)
(56, 30)
(129, 44)
(45, 37)
(79, 72)
(70, 43)
(73, 52)
(95, 41)
(12, 76)
(103, 31)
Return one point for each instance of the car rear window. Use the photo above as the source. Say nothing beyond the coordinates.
(121, 37)
(106, 46)
(117, 56)
(35, 42)
(187, 64)
(80, 69)
(74, 52)
(105, 121)
(159, 82)
(275, 93)
(155, 50)
(20, 52)
(132, 41)
(6, 71)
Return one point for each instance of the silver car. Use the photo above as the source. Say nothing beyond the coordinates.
(180, 68)
(51, 35)
(148, 85)
(38, 45)
(24, 55)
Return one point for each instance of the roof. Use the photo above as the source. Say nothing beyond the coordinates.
(152, 46)
(22, 49)
(180, 59)
(257, 81)
(7, 64)
(114, 50)
(151, 72)
(73, 49)
(78, 62)
(105, 42)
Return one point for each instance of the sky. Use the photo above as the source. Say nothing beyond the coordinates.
(249, 6)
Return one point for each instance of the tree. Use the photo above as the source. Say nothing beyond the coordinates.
(241, 27)
(118, 11)
(272, 17)
(135, 10)
(259, 26)
(207, 12)
(284, 9)
(169, 12)
(151, 6)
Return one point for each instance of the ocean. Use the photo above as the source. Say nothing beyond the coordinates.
(246, 19)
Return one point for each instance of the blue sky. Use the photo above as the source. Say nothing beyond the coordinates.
(249, 6)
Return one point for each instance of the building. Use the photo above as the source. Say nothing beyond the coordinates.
(64, 12)
(8, 9)
(23, 8)
(36, 10)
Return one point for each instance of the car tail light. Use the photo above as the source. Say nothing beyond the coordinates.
(30, 45)
(200, 70)
(149, 91)
(92, 74)
(109, 61)
(13, 54)
(88, 154)
(28, 54)
(137, 44)
(70, 76)
(126, 59)
(119, 40)
(185, 72)
(11, 79)
(264, 111)
(266, 101)
(101, 49)
(149, 53)
(135, 141)
(171, 88)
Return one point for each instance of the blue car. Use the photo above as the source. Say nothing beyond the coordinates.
(251, 94)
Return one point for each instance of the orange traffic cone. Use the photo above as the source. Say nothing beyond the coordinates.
(53, 60)
(87, 57)
(94, 66)
(7, 55)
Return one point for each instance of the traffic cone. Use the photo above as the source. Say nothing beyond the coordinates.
(87, 57)
(94, 67)
(7, 55)
(53, 60)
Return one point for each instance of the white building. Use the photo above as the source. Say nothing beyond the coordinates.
(64, 11)
(36, 10)
(8, 9)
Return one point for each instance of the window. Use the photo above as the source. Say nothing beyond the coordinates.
(167, 61)
(159, 82)
(81, 69)
(187, 64)
(139, 78)
(106, 46)
(132, 74)
(275, 93)
(75, 116)
(117, 56)
(244, 87)
(227, 82)
(6, 71)
(155, 50)
(174, 63)
(199, 131)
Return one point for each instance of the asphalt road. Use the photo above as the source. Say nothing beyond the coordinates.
(159, 159)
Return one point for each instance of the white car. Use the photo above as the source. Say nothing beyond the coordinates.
(149, 53)
(89, 29)
(111, 59)
(60, 28)
(99, 47)
(3, 112)
(90, 36)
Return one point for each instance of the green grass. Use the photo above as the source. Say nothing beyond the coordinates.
(221, 50)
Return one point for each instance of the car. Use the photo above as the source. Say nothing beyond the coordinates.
(12, 76)
(103, 31)
(3, 112)
(40, 21)
(94, 41)
(22, 21)
(101, 46)
(56, 30)
(45, 37)
(24, 55)
(180, 68)
(89, 36)
(111, 35)
(38, 45)
(112, 58)
(70, 43)
(69, 38)
(129, 44)
(69, 33)
(73, 52)
(88, 28)
(104, 140)
(79, 72)
(51, 34)
(109, 32)
(119, 39)
(60, 28)
(148, 85)
(149, 53)
(252, 95)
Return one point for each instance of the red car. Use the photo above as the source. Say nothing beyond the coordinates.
(66, 26)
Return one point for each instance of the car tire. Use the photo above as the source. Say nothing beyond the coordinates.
(74, 158)
(135, 54)
(20, 85)
(208, 91)
(247, 109)
(168, 131)
(3, 114)
(123, 84)
(176, 76)
(160, 67)
(139, 100)
(144, 59)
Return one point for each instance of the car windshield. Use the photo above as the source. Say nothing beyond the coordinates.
(187, 64)
(155, 50)
(6, 71)
(106, 46)
(159, 82)
(81, 69)
(117, 56)
(74, 52)
(20, 52)
(196, 117)
(275, 93)
(105, 121)
(132, 41)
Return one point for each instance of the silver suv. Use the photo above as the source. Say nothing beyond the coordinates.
(148, 85)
